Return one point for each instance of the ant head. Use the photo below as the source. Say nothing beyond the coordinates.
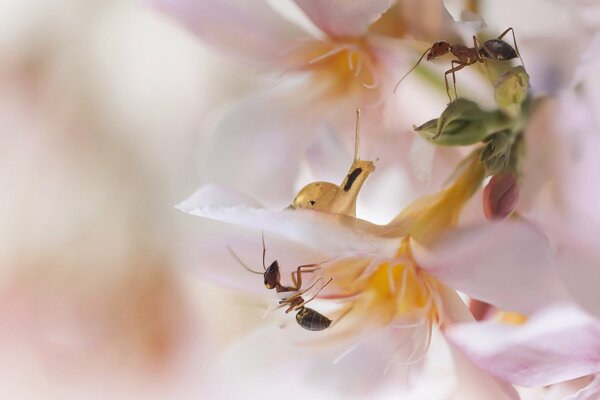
(272, 275)
(438, 49)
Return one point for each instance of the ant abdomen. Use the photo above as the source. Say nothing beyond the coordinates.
(498, 50)
(312, 320)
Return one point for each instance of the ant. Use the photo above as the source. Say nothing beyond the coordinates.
(493, 49)
(291, 296)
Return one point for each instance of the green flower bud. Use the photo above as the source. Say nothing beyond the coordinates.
(462, 123)
(497, 152)
(511, 91)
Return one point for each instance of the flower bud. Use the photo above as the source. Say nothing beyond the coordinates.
(462, 123)
(496, 154)
(500, 196)
(511, 91)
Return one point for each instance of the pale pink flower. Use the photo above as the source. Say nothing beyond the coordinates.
(351, 58)
(386, 301)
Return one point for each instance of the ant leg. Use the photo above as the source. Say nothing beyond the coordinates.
(292, 299)
(514, 41)
(315, 295)
(477, 46)
(297, 274)
(295, 304)
(460, 65)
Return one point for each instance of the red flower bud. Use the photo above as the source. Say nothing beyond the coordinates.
(500, 196)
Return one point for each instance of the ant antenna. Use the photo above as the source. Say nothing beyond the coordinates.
(410, 70)
(357, 135)
(264, 250)
(241, 262)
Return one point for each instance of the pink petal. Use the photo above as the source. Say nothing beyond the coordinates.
(579, 264)
(424, 20)
(475, 383)
(315, 229)
(590, 392)
(254, 147)
(508, 264)
(343, 18)
(556, 345)
(251, 30)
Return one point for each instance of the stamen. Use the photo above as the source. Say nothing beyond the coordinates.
(418, 352)
(373, 85)
(403, 286)
(268, 310)
(359, 66)
(393, 356)
(375, 262)
(391, 282)
(330, 53)
(347, 351)
(405, 326)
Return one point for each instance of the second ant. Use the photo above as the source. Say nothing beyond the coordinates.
(291, 296)
(493, 49)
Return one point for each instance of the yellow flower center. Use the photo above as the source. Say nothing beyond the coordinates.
(388, 291)
(342, 67)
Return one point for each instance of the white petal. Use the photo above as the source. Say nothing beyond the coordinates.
(252, 31)
(257, 144)
(556, 345)
(421, 158)
(316, 229)
(508, 264)
(343, 18)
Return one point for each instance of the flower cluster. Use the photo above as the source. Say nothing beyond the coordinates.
(503, 233)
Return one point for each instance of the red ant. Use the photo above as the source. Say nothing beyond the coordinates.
(493, 49)
(291, 296)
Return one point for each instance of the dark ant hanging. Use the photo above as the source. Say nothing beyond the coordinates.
(493, 49)
(291, 296)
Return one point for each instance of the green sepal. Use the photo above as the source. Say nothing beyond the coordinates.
(462, 123)
(496, 154)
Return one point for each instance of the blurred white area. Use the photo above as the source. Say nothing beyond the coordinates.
(100, 105)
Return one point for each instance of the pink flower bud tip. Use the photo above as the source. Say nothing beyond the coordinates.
(500, 196)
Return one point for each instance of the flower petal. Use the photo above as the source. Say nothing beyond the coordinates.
(343, 18)
(590, 392)
(252, 31)
(254, 139)
(556, 345)
(315, 229)
(424, 20)
(507, 264)
(579, 263)
(475, 383)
